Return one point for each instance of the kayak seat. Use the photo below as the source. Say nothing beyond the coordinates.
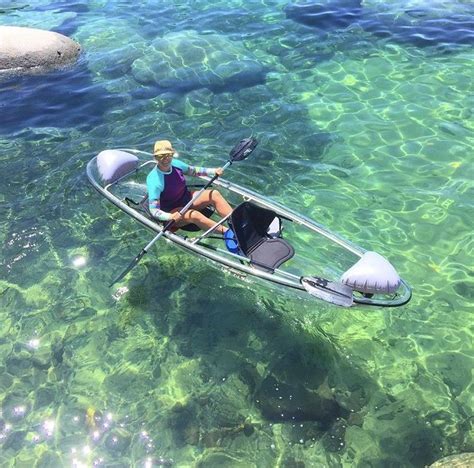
(271, 253)
(142, 206)
(250, 224)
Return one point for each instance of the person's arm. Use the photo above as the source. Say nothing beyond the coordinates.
(201, 171)
(155, 186)
(197, 170)
(204, 171)
(157, 212)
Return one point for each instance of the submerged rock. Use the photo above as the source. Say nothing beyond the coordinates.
(461, 460)
(15, 407)
(49, 458)
(23, 50)
(19, 365)
(187, 60)
(117, 441)
(218, 458)
(6, 380)
(337, 14)
(14, 440)
(453, 368)
(44, 396)
(429, 25)
(184, 424)
(280, 401)
(110, 51)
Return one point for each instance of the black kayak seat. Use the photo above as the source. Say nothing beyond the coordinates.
(250, 224)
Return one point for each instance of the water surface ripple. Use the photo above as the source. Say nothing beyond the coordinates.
(364, 115)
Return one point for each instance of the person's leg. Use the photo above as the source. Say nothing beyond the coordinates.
(203, 222)
(214, 198)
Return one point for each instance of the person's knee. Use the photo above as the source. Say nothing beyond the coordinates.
(195, 215)
(216, 195)
(191, 213)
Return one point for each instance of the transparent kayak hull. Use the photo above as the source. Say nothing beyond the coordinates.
(319, 252)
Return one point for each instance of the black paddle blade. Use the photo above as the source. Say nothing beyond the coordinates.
(132, 265)
(329, 291)
(242, 149)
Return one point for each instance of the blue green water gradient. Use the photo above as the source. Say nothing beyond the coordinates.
(365, 124)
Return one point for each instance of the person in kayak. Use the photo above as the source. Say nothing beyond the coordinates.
(168, 192)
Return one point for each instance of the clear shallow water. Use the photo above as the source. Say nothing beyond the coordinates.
(361, 125)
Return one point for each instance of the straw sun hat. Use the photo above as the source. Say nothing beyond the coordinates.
(163, 147)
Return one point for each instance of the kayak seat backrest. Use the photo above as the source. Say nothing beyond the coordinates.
(250, 224)
(114, 164)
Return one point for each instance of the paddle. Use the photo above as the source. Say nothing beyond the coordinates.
(238, 153)
(329, 291)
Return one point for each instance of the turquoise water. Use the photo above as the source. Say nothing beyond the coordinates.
(365, 124)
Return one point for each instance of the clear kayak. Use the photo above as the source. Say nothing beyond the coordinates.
(267, 240)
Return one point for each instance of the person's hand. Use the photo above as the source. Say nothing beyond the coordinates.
(176, 216)
(219, 171)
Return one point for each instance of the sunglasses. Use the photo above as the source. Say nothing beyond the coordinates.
(164, 156)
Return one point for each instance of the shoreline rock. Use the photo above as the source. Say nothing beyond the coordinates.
(460, 460)
(26, 50)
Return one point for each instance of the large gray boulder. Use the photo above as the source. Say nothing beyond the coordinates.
(24, 50)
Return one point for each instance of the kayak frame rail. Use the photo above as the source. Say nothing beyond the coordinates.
(211, 229)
